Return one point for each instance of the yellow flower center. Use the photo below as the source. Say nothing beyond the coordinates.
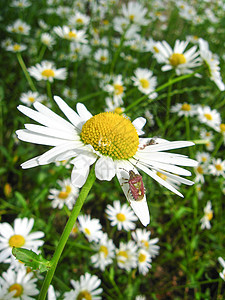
(209, 215)
(104, 249)
(48, 73)
(164, 177)
(195, 37)
(103, 58)
(186, 107)
(118, 89)
(111, 134)
(141, 257)
(177, 59)
(21, 29)
(145, 243)
(84, 295)
(155, 49)
(16, 287)
(144, 83)
(121, 217)
(17, 241)
(122, 253)
(16, 47)
(219, 167)
(222, 127)
(131, 17)
(208, 134)
(118, 110)
(80, 21)
(72, 35)
(105, 22)
(204, 159)
(87, 231)
(200, 170)
(208, 117)
(31, 99)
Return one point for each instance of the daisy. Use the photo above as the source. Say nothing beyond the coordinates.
(67, 194)
(20, 3)
(142, 238)
(73, 35)
(200, 171)
(126, 255)
(121, 216)
(212, 64)
(222, 262)
(30, 97)
(102, 56)
(47, 40)
(18, 285)
(105, 252)
(135, 12)
(86, 288)
(16, 48)
(18, 236)
(19, 27)
(114, 105)
(79, 19)
(176, 58)
(110, 140)
(203, 157)
(51, 293)
(145, 82)
(217, 167)
(208, 215)
(116, 88)
(184, 109)
(46, 70)
(91, 228)
(70, 93)
(150, 118)
(151, 46)
(144, 261)
(208, 116)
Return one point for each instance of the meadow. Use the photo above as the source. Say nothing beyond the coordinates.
(112, 134)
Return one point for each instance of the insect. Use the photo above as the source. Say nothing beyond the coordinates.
(136, 185)
(150, 142)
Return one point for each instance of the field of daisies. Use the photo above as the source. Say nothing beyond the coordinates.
(112, 150)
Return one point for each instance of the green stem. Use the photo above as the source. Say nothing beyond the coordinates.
(49, 90)
(168, 103)
(165, 85)
(24, 68)
(90, 96)
(218, 145)
(42, 52)
(187, 123)
(67, 230)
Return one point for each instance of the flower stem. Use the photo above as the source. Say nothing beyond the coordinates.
(42, 52)
(24, 68)
(49, 90)
(218, 145)
(67, 230)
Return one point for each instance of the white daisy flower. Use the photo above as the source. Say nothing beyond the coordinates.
(150, 118)
(222, 262)
(208, 215)
(144, 261)
(105, 252)
(121, 216)
(102, 56)
(47, 40)
(217, 167)
(79, 19)
(18, 285)
(19, 27)
(30, 97)
(184, 109)
(91, 228)
(114, 146)
(126, 255)
(18, 236)
(151, 46)
(86, 288)
(114, 105)
(70, 93)
(208, 116)
(176, 58)
(145, 81)
(206, 135)
(142, 238)
(203, 157)
(212, 64)
(16, 48)
(67, 194)
(200, 171)
(46, 70)
(20, 3)
(73, 35)
(140, 297)
(135, 12)
(116, 88)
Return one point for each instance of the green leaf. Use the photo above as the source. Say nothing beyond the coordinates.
(21, 199)
(32, 259)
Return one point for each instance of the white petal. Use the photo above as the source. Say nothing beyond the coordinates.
(83, 112)
(168, 146)
(139, 124)
(82, 160)
(141, 210)
(79, 176)
(105, 168)
(31, 163)
(69, 112)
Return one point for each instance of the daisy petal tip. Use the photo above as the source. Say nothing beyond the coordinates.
(140, 208)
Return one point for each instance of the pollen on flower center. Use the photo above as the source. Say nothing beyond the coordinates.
(144, 83)
(16, 47)
(16, 287)
(80, 21)
(177, 59)
(63, 195)
(200, 170)
(118, 89)
(111, 134)
(87, 231)
(122, 253)
(72, 34)
(222, 127)
(104, 249)
(121, 217)
(48, 73)
(209, 216)
(84, 295)
(142, 257)
(186, 107)
(208, 117)
(17, 241)
(31, 99)
(219, 167)
(131, 17)
(155, 49)
(145, 243)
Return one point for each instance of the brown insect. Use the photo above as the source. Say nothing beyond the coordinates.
(150, 142)
(136, 186)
